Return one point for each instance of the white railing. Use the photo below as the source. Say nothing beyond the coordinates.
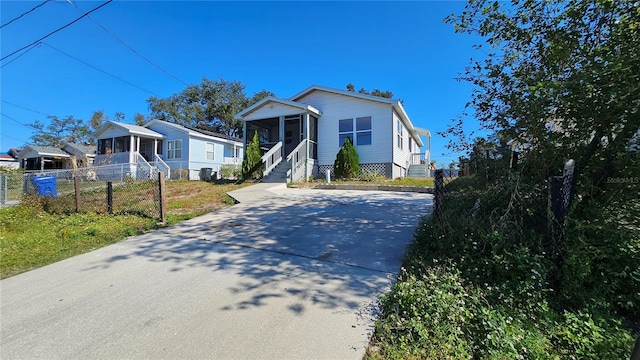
(298, 158)
(162, 166)
(417, 158)
(143, 165)
(272, 158)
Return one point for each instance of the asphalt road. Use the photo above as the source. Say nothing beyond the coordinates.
(295, 274)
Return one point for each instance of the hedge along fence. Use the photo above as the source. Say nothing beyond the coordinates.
(69, 191)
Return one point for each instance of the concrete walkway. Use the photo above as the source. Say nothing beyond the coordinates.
(293, 274)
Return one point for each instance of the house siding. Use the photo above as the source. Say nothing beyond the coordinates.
(335, 107)
(194, 156)
(401, 156)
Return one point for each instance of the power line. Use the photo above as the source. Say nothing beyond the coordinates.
(55, 31)
(23, 107)
(18, 122)
(19, 56)
(129, 47)
(102, 71)
(23, 14)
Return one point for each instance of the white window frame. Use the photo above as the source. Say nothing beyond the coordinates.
(211, 151)
(174, 149)
(400, 136)
(353, 132)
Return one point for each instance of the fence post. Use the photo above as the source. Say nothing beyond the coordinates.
(76, 187)
(3, 189)
(561, 191)
(109, 197)
(438, 195)
(161, 187)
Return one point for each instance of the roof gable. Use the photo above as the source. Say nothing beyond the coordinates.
(127, 129)
(271, 105)
(394, 103)
(353, 94)
(31, 151)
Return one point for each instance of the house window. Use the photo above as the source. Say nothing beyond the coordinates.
(410, 144)
(358, 129)
(209, 150)
(174, 149)
(400, 135)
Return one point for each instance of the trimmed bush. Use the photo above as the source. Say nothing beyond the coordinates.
(347, 164)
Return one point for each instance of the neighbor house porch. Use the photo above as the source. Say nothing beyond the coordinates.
(120, 143)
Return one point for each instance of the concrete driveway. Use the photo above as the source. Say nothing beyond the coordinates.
(294, 274)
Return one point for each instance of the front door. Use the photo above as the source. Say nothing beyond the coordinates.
(292, 133)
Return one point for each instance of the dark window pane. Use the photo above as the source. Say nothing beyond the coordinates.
(363, 123)
(364, 138)
(343, 137)
(345, 125)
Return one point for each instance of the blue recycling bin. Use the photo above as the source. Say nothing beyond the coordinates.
(45, 185)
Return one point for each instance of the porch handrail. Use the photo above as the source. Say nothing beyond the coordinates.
(162, 166)
(417, 158)
(272, 158)
(298, 158)
(142, 162)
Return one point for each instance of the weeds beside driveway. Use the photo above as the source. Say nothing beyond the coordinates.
(30, 237)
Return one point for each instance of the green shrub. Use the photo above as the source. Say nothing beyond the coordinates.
(492, 300)
(251, 167)
(230, 171)
(347, 164)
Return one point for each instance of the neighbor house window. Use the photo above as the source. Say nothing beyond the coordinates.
(104, 146)
(209, 150)
(358, 129)
(174, 149)
(400, 135)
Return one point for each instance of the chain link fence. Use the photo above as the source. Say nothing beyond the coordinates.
(112, 189)
(441, 178)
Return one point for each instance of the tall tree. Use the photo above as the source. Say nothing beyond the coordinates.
(139, 119)
(211, 104)
(60, 130)
(561, 76)
(376, 92)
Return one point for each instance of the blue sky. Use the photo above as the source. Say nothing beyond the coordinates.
(283, 47)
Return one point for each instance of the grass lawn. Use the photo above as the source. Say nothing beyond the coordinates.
(30, 237)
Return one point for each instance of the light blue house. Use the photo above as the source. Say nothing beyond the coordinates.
(182, 152)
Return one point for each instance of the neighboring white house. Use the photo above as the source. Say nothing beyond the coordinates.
(307, 130)
(177, 150)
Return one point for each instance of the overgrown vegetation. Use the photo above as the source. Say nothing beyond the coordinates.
(34, 234)
(558, 80)
(476, 285)
(347, 163)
